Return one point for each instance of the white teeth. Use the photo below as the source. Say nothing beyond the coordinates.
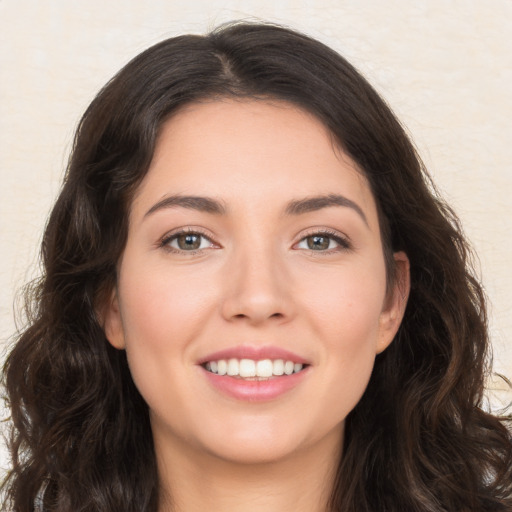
(264, 368)
(233, 367)
(222, 367)
(278, 367)
(247, 368)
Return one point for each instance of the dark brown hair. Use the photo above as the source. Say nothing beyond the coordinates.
(417, 441)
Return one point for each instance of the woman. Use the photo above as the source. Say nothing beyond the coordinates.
(251, 300)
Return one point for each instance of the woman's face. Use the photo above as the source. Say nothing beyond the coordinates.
(253, 249)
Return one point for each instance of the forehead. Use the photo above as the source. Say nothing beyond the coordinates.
(257, 150)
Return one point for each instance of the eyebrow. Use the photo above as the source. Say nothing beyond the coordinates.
(296, 207)
(310, 204)
(202, 204)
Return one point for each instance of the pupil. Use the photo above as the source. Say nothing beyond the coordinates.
(187, 242)
(318, 242)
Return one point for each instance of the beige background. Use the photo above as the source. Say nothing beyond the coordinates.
(445, 66)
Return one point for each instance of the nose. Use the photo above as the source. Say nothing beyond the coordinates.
(257, 288)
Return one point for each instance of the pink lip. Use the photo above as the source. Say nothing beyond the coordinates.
(254, 390)
(255, 353)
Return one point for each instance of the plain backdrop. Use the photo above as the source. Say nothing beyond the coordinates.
(444, 66)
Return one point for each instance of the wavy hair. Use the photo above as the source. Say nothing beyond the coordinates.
(418, 441)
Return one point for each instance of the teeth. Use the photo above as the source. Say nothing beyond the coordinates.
(264, 368)
(222, 367)
(233, 367)
(247, 368)
(278, 367)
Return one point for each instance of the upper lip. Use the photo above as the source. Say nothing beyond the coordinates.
(254, 353)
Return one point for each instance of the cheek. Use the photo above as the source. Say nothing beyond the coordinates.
(162, 314)
(345, 302)
(343, 311)
(164, 308)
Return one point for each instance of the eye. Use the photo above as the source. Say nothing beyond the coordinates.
(186, 241)
(323, 242)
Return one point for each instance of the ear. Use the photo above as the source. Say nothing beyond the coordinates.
(112, 322)
(396, 301)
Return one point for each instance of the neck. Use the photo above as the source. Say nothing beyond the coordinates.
(302, 482)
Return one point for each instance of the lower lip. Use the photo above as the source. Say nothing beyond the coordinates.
(255, 390)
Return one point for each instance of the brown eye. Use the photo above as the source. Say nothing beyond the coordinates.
(187, 242)
(318, 242)
(324, 242)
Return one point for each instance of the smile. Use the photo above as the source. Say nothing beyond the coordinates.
(250, 368)
(255, 374)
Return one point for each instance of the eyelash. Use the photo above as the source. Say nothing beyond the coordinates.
(167, 239)
(343, 242)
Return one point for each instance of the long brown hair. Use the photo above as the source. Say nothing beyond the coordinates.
(417, 441)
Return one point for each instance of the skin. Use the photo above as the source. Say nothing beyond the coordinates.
(253, 281)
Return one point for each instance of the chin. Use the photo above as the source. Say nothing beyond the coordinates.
(266, 443)
(255, 452)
